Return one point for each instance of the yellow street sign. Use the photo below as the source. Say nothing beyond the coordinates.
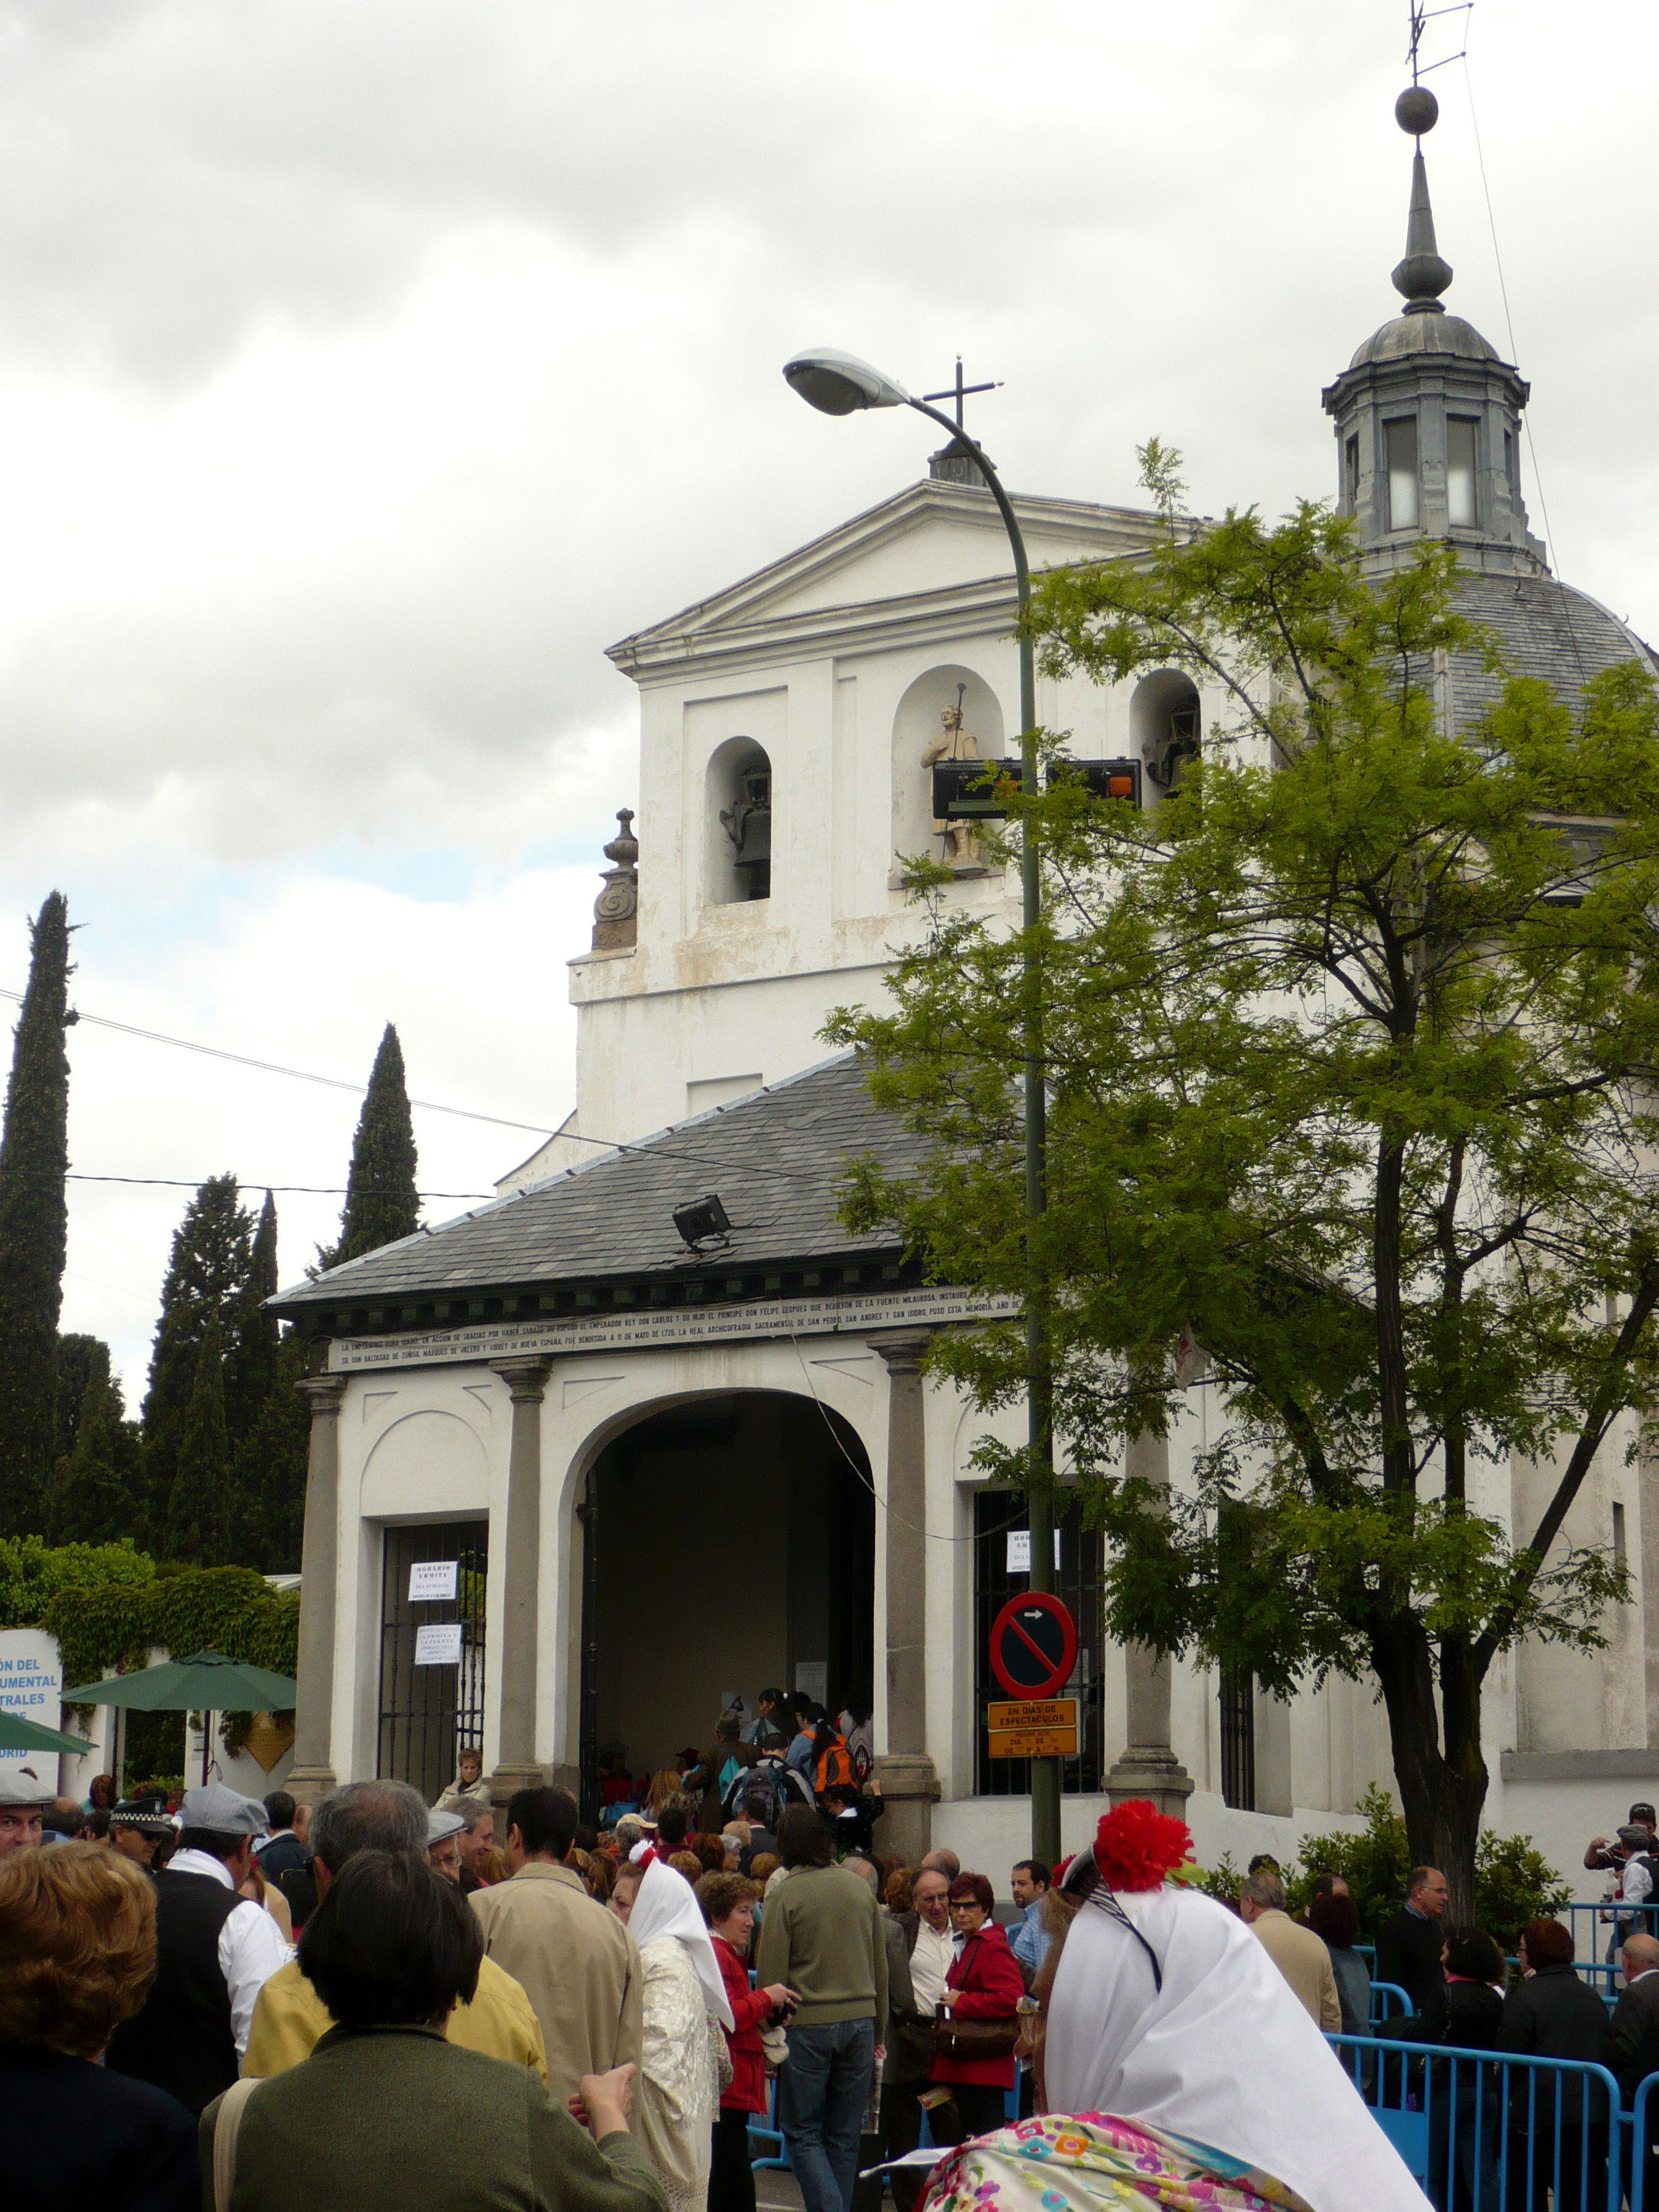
(1033, 1727)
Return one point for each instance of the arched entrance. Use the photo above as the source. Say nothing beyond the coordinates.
(730, 1545)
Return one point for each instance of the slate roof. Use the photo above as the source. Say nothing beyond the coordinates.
(777, 1160)
(1543, 628)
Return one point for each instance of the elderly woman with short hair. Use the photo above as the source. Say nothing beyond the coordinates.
(387, 2114)
(77, 1956)
(982, 1989)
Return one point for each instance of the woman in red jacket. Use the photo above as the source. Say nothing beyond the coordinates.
(984, 1984)
(728, 1906)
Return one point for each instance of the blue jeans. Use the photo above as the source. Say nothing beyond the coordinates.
(824, 2088)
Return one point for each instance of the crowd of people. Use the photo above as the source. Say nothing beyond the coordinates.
(263, 2005)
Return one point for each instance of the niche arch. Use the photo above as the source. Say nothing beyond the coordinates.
(915, 724)
(1166, 724)
(738, 815)
(428, 1462)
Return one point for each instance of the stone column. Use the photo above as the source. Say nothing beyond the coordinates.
(909, 1781)
(520, 1582)
(1148, 1767)
(311, 1776)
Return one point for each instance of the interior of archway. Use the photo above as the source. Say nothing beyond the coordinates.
(733, 1546)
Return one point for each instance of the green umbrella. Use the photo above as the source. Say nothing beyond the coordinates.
(17, 1735)
(208, 1681)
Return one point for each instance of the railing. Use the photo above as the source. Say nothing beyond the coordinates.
(1592, 1936)
(1389, 2002)
(1642, 2169)
(1491, 2133)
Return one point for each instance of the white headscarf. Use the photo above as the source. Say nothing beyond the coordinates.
(1223, 2054)
(664, 1905)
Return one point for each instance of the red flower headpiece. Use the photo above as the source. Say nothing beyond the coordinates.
(1136, 1846)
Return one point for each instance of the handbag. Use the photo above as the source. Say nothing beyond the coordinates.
(968, 2041)
(775, 2046)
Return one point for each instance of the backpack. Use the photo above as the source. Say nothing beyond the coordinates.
(835, 1769)
(764, 1779)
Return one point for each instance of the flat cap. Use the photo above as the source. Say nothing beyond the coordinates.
(440, 1824)
(225, 1812)
(22, 1785)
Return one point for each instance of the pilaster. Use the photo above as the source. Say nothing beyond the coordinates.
(908, 1778)
(1148, 1766)
(312, 1775)
(516, 1766)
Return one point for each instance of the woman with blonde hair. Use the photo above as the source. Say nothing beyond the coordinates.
(77, 1956)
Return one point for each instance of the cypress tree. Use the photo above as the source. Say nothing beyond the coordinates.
(95, 1497)
(199, 1503)
(251, 1350)
(82, 1361)
(268, 1473)
(34, 1226)
(206, 1279)
(381, 1203)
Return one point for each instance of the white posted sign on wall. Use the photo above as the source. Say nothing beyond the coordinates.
(31, 1686)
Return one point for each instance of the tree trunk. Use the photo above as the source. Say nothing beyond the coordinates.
(1441, 1791)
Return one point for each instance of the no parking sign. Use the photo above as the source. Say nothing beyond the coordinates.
(1033, 1645)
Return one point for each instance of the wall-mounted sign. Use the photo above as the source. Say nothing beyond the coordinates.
(1019, 1551)
(433, 1578)
(438, 1643)
(31, 1680)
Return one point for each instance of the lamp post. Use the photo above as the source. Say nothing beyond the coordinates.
(840, 384)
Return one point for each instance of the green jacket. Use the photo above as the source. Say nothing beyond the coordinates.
(397, 2119)
(821, 1937)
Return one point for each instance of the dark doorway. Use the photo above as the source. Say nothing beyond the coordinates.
(432, 1704)
(730, 1545)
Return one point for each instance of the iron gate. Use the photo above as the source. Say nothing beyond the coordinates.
(431, 1707)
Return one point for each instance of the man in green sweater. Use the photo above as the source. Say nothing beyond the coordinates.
(822, 1936)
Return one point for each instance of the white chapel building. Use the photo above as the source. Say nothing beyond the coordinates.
(576, 1481)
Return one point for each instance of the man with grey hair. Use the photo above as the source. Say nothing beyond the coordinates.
(475, 1836)
(1298, 1954)
(290, 2017)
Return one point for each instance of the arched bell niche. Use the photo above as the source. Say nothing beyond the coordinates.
(915, 727)
(1167, 726)
(738, 809)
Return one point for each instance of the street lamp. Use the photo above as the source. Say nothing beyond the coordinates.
(838, 383)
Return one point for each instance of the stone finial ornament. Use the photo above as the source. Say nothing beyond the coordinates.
(616, 910)
(1422, 276)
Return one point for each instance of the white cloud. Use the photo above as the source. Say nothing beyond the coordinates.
(364, 371)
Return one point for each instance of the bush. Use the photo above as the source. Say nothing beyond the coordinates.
(1513, 1884)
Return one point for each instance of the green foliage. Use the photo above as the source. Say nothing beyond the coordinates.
(251, 1349)
(198, 1505)
(207, 1278)
(1350, 1124)
(1514, 1883)
(33, 1573)
(268, 1471)
(1160, 476)
(1374, 1864)
(1219, 1881)
(381, 1201)
(95, 1495)
(33, 1225)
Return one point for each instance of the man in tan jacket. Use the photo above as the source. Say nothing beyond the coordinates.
(1298, 1954)
(577, 1962)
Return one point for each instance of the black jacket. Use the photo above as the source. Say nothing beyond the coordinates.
(1472, 2016)
(74, 2134)
(1555, 2016)
(181, 2039)
(1408, 1953)
(1633, 2038)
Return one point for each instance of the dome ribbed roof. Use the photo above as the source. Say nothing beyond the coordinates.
(1410, 334)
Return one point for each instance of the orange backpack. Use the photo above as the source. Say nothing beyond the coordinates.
(835, 1769)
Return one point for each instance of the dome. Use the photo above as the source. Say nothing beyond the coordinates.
(1410, 334)
(1542, 627)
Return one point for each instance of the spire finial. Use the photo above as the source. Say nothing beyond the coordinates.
(1422, 276)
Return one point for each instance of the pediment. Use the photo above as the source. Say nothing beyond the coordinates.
(932, 540)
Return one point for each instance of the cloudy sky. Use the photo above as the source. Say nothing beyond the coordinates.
(365, 369)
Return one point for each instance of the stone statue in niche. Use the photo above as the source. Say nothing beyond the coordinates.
(954, 742)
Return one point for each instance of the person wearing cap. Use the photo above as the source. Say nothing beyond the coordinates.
(215, 1952)
(23, 1798)
(136, 1831)
(291, 2018)
(442, 1855)
(1604, 1855)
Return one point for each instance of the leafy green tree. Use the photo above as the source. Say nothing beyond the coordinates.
(251, 1350)
(198, 1503)
(268, 1472)
(1350, 1054)
(34, 1224)
(80, 1359)
(382, 1204)
(207, 1280)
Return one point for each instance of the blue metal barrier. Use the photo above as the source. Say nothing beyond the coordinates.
(1593, 1936)
(1644, 2121)
(1389, 2002)
(768, 2153)
(1486, 2133)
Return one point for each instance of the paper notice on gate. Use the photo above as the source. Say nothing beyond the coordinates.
(438, 1643)
(433, 1578)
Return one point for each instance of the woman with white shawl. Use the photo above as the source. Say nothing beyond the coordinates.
(678, 2095)
(1177, 2065)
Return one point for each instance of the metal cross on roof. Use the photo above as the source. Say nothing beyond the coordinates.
(959, 391)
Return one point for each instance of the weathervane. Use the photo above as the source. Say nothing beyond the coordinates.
(1421, 15)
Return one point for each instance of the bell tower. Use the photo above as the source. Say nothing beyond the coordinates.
(1428, 417)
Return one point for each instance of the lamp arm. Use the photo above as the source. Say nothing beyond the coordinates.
(1016, 539)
